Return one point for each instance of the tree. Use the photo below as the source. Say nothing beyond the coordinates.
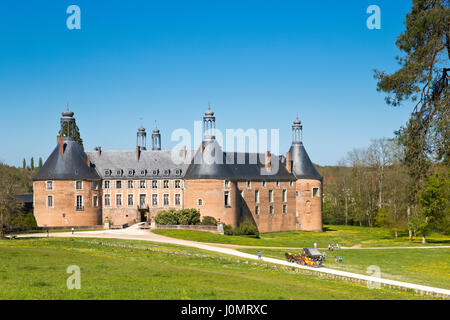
(422, 79)
(32, 163)
(40, 163)
(24, 164)
(75, 132)
(9, 206)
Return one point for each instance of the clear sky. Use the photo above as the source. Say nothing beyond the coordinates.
(259, 63)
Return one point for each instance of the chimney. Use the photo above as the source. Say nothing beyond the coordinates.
(288, 162)
(184, 153)
(267, 163)
(99, 151)
(88, 160)
(138, 153)
(60, 141)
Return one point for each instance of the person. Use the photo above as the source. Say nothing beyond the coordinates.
(335, 259)
(329, 247)
(259, 255)
(72, 230)
(337, 246)
(340, 259)
(332, 246)
(324, 256)
(315, 245)
(47, 233)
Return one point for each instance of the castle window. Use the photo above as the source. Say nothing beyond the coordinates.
(296, 193)
(50, 201)
(130, 184)
(177, 184)
(80, 203)
(142, 184)
(277, 183)
(154, 184)
(95, 201)
(49, 185)
(130, 172)
(199, 202)
(118, 199)
(256, 210)
(119, 172)
(291, 183)
(227, 183)
(256, 196)
(308, 207)
(143, 172)
(315, 192)
(166, 172)
(142, 200)
(79, 185)
(94, 185)
(284, 195)
(271, 209)
(166, 184)
(106, 184)
(284, 208)
(166, 199)
(177, 199)
(107, 200)
(107, 172)
(249, 184)
(264, 183)
(154, 199)
(118, 184)
(130, 200)
(227, 198)
(178, 172)
(270, 195)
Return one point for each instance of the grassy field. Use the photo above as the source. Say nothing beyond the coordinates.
(422, 266)
(36, 269)
(345, 235)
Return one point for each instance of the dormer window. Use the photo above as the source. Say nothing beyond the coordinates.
(143, 172)
(49, 185)
(178, 172)
(79, 185)
(119, 172)
(166, 172)
(130, 172)
(155, 172)
(107, 172)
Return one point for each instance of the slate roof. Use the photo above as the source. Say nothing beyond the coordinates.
(72, 165)
(302, 165)
(152, 163)
(234, 165)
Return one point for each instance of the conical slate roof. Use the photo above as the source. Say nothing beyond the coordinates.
(72, 165)
(302, 165)
(209, 164)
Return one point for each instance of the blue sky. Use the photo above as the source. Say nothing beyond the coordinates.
(259, 63)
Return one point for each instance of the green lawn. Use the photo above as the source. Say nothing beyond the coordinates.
(36, 269)
(422, 266)
(345, 235)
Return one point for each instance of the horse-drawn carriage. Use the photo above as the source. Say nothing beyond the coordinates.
(309, 257)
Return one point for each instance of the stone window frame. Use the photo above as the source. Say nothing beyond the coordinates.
(94, 185)
(77, 206)
(200, 202)
(226, 198)
(177, 184)
(128, 199)
(271, 195)
(145, 199)
(177, 195)
(47, 183)
(256, 210)
(50, 197)
(130, 182)
(154, 184)
(166, 184)
(315, 194)
(249, 184)
(107, 184)
(142, 184)
(226, 183)
(107, 203)
(95, 201)
(284, 209)
(164, 199)
(277, 183)
(256, 196)
(284, 195)
(155, 196)
(271, 209)
(264, 183)
(291, 183)
(119, 196)
(77, 183)
(118, 184)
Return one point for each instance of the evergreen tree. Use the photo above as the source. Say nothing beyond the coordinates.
(423, 79)
(40, 163)
(32, 163)
(24, 164)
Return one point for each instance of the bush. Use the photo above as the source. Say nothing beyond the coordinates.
(178, 217)
(228, 230)
(209, 221)
(247, 228)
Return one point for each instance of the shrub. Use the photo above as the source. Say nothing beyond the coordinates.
(209, 221)
(247, 228)
(228, 230)
(178, 217)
